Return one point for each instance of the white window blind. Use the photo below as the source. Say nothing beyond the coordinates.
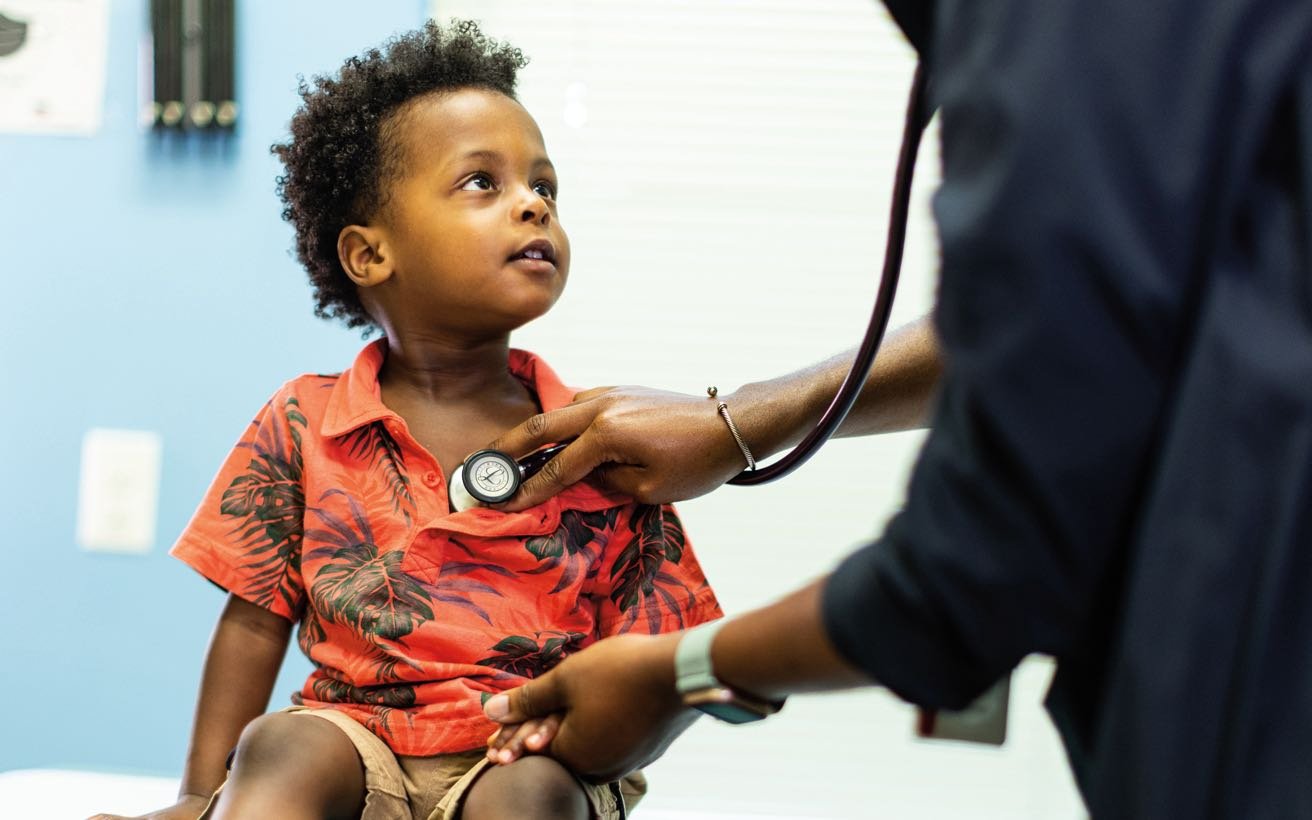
(726, 168)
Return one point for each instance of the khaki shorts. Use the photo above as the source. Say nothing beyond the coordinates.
(434, 788)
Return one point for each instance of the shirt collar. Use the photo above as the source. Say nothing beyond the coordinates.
(356, 399)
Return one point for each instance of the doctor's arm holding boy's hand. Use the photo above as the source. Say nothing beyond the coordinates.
(658, 447)
(244, 656)
(615, 702)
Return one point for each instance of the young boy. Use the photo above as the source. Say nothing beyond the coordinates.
(424, 205)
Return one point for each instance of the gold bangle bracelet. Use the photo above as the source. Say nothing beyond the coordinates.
(723, 410)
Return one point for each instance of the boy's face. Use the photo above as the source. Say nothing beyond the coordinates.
(470, 222)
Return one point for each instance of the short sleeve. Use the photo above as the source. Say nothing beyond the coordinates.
(246, 535)
(648, 578)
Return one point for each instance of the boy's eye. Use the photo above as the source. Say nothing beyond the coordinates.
(545, 190)
(478, 182)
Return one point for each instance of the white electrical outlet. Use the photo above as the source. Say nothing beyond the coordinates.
(118, 492)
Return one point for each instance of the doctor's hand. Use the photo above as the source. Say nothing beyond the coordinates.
(651, 445)
(617, 705)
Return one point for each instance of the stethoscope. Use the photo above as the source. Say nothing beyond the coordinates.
(491, 476)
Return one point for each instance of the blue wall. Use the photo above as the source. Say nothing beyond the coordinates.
(149, 286)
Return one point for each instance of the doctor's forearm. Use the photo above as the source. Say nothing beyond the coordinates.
(783, 649)
(898, 394)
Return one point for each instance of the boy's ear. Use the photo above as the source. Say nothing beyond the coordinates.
(360, 250)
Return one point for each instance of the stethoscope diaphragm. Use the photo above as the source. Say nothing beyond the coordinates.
(491, 476)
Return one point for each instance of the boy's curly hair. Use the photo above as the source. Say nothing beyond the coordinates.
(342, 154)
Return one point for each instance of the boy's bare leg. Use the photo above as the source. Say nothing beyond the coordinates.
(532, 788)
(292, 767)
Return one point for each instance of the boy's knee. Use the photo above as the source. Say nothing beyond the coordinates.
(533, 786)
(293, 766)
(267, 738)
(553, 787)
(281, 741)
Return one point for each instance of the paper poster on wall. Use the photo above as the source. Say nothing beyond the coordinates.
(52, 65)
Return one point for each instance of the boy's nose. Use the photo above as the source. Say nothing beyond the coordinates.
(536, 213)
(534, 208)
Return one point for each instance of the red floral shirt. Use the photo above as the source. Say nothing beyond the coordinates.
(329, 513)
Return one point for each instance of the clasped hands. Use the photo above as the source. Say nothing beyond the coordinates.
(602, 712)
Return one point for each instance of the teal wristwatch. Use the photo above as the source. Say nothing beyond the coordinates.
(696, 681)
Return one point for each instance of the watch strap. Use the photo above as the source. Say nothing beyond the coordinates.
(692, 658)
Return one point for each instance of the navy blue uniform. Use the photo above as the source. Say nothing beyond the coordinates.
(1119, 472)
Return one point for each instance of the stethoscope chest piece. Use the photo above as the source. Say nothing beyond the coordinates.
(491, 476)
(486, 477)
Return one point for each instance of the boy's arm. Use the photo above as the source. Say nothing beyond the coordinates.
(247, 650)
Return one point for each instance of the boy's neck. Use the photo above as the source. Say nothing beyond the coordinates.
(445, 371)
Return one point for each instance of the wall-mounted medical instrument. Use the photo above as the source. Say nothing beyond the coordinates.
(193, 49)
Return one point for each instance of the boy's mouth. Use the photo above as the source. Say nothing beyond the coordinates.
(539, 250)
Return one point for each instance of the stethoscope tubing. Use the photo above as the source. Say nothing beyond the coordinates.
(917, 117)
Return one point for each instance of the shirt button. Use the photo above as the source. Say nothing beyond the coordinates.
(432, 479)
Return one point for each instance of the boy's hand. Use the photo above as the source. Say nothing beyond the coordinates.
(651, 445)
(188, 807)
(513, 741)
